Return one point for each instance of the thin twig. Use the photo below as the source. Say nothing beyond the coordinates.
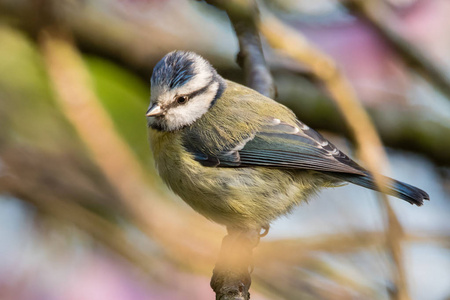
(290, 42)
(410, 55)
(369, 144)
(231, 277)
(243, 16)
(394, 237)
(27, 182)
(414, 58)
(160, 221)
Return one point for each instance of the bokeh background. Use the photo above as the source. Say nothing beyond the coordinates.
(83, 214)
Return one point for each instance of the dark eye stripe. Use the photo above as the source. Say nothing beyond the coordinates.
(193, 94)
(200, 91)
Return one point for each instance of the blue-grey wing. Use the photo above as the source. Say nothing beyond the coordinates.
(278, 145)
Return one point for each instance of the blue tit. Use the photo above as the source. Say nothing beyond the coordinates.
(236, 156)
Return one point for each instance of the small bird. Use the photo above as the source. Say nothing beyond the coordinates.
(237, 157)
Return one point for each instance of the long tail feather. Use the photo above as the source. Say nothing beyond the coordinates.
(394, 187)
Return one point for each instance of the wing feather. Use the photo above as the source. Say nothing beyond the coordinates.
(278, 144)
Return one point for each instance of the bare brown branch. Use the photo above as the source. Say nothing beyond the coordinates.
(411, 56)
(78, 102)
(231, 277)
(244, 15)
(296, 46)
(369, 144)
(28, 180)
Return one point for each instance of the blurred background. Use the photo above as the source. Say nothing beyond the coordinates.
(83, 214)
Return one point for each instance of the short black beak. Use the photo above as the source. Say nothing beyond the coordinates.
(154, 110)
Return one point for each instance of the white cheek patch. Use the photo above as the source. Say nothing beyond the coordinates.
(203, 76)
(183, 115)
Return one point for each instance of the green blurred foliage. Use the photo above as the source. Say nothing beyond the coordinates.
(29, 115)
(34, 118)
(125, 97)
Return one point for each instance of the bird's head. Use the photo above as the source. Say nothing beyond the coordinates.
(183, 87)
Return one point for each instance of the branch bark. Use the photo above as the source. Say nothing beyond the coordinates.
(244, 16)
(410, 55)
(231, 277)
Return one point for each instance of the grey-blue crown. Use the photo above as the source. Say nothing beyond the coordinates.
(174, 70)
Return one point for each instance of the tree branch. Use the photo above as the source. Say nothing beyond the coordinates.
(231, 277)
(410, 55)
(370, 147)
(244, 15)
(75, 96)
(296, 46)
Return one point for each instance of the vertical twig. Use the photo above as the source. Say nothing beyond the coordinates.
(394, 236)
(369, 11)
(231, 277)
(370, 147)
(410, 55)
(244, 15)
(75, 95)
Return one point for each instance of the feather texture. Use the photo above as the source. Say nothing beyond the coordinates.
(284, 142)
(247, 160)
(280, 145)
(393, 187)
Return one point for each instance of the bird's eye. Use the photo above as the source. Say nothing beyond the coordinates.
(182, 99)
